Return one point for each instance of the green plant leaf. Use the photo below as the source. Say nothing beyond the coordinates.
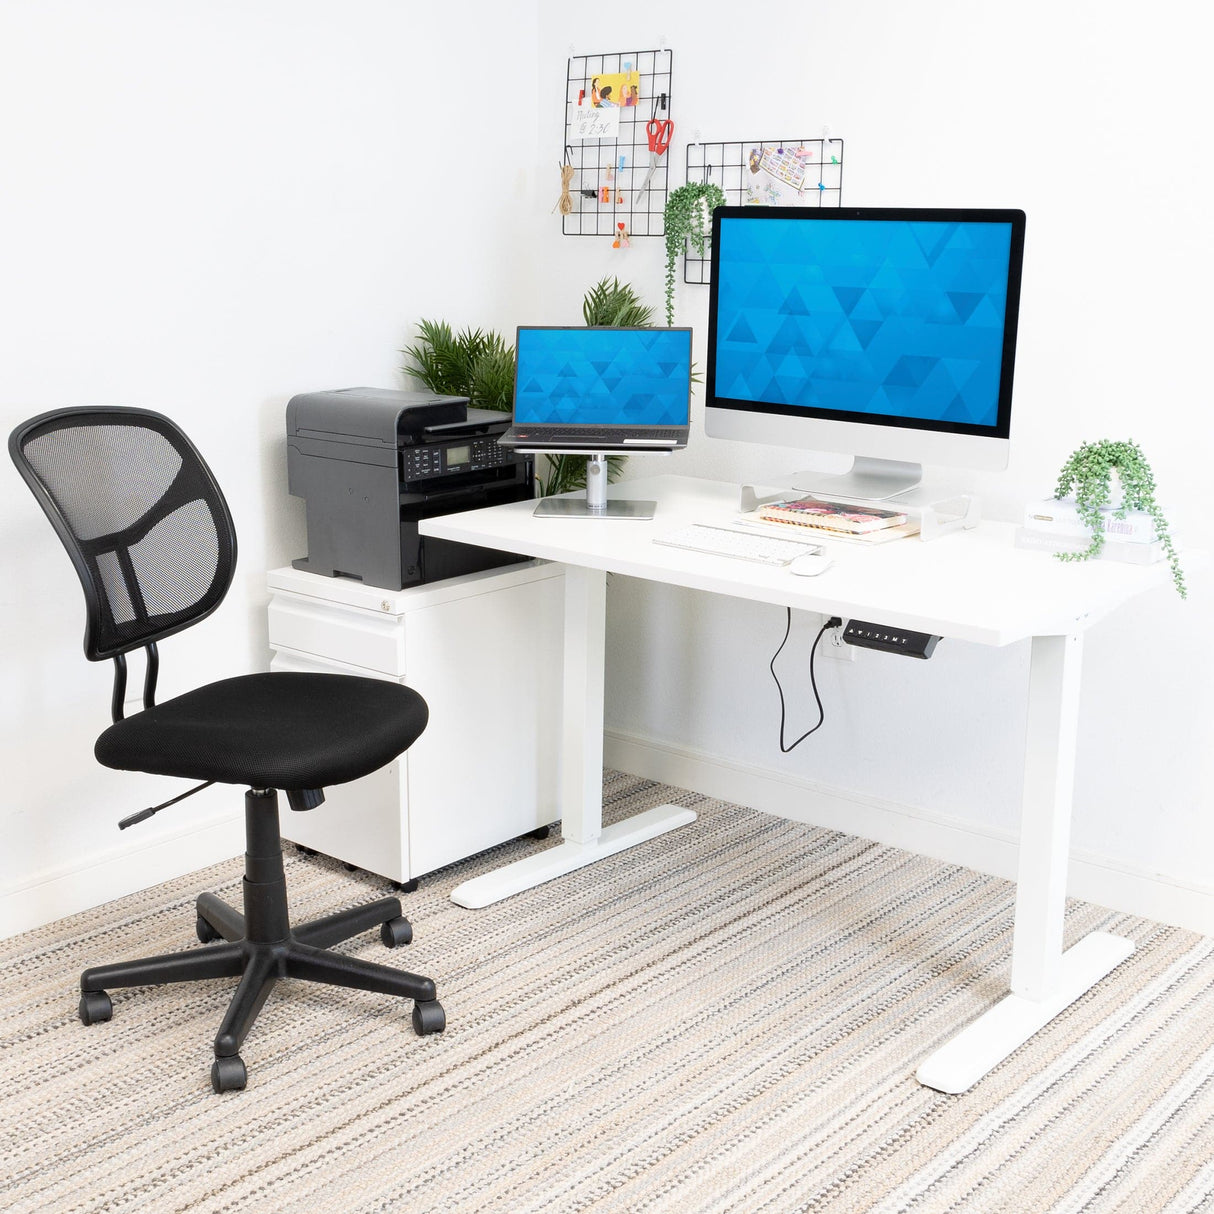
(564, 473)
(492, 385)
(615, 304)
(474, 363)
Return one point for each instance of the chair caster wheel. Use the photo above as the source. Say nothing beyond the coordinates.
(396, 931)
(96, 1007)
(204, 931)
(428, 1017)
(228, 1074)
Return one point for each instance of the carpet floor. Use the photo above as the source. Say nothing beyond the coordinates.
(727, 1018)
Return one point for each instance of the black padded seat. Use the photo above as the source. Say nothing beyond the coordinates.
(281, 730)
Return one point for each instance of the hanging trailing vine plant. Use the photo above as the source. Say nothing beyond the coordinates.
(1088, 475)
(688, 215)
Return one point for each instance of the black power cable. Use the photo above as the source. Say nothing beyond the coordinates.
(833, 622)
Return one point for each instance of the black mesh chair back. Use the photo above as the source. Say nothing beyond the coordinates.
(140, 514)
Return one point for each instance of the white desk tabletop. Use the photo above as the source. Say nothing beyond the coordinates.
(972, 585)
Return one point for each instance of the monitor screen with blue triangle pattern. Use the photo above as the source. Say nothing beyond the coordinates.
(886, 319)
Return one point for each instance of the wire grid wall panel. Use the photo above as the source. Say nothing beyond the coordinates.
(612, 184)
(765, 172)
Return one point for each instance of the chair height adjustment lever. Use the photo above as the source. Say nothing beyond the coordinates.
(144, 814)
(301, 799)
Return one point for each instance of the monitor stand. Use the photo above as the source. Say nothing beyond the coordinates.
(870, 480)
(595, 503)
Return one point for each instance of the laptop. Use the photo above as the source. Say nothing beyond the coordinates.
(601, 389)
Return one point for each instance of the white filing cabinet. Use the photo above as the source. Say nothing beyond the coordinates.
(484, 650)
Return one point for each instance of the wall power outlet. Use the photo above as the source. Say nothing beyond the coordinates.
(834, 646)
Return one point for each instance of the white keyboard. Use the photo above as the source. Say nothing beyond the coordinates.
(744, 545)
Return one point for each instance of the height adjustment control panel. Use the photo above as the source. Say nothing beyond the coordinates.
(890, 640)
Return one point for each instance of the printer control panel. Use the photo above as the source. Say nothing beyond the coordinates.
(475, 454)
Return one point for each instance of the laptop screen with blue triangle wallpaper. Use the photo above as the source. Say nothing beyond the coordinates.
(603, 377)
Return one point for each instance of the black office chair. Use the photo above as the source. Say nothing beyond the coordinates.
(152, 541)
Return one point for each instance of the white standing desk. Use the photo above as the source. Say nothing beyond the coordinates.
(970, 586)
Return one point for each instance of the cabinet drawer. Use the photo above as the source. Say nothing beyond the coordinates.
(340, 633)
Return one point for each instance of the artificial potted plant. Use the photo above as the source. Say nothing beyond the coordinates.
(1088, 476)
(688, 216)
(472, 363)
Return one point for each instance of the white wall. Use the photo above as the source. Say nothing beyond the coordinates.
(1086, 116)
(206, 209)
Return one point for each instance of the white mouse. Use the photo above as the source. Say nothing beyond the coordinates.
(811, 564)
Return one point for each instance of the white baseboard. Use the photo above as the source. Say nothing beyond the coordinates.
(124, 869)
(987, 849)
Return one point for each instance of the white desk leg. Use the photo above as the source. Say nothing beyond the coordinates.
(584, 837)
(1044, 978)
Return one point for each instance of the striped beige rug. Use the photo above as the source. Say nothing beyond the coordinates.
(725, 1019)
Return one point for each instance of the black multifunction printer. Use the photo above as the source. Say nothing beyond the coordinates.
(370, 463)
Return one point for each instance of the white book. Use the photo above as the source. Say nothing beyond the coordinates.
(1113, 549)
(1060, 517)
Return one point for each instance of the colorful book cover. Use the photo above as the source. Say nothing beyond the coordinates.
(832, 516)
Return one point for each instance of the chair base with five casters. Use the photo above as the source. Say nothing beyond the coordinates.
(260, 947)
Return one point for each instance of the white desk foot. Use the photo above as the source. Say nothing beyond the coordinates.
(568, 856)
(982, 1045)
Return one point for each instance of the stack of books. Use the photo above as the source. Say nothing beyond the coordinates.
(839, 520)
(1054, 525)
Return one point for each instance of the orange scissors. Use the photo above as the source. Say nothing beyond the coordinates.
(659, 132)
